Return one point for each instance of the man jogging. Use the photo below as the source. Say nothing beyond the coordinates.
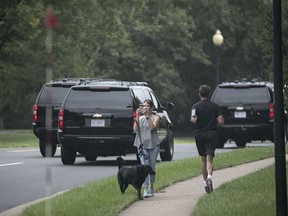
(206, 114)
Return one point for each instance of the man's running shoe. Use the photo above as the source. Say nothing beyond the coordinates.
(207, 189)
(209, 186)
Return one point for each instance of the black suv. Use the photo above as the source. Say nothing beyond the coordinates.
(47, 105)
(248, 109)
(97, 120)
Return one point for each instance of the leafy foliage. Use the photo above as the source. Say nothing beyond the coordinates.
(166, 43)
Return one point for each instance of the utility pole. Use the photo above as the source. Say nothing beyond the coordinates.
(280, 160)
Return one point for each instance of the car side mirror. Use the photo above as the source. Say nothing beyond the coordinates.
(168, 106)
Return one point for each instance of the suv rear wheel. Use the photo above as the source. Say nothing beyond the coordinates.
(90, 157)
(168, 146)
(240, 143)
(221, 142)
(68, 156)
(42, 147)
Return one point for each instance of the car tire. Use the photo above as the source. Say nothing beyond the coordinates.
(42, 147)
(90, 157)
(168, 147)
(221, 142)
(240, 143)
(68, 156)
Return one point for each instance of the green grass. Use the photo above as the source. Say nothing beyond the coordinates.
(184, 140)
(253, 194)
(18, 139)
(26, 138)
(103, 197)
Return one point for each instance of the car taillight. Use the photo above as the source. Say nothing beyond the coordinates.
(271, 112)
(60, 119)
(134, 118)
(35, 118)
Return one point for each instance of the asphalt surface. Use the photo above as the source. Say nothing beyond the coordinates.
(27, 176)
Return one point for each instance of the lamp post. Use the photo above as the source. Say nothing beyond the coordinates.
(218, 40)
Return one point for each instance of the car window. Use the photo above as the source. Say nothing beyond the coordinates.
(98, 99)
(139, 95)
(271, 95)
(155, 101)
(146, 93)
(238, 95)
(53, 95)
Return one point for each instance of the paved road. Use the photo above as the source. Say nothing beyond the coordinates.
(27, 176)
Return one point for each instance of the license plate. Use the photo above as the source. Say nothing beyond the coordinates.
(97, 122)
(240, 114)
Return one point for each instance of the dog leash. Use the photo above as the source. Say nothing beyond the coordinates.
(141, 152)
(140, 148)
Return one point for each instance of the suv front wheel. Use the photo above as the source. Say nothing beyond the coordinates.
(68, 156)
(168, 146)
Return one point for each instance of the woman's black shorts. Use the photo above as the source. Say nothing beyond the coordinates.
(206, 142)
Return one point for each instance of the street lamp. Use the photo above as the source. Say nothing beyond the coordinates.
(217, 41)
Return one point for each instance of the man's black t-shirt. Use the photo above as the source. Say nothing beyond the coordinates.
(207, 113)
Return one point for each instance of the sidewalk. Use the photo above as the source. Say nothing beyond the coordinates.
(181, 198)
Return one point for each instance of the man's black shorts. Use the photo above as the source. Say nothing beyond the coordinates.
(206, 142)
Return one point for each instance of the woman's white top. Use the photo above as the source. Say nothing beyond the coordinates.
(149, 138)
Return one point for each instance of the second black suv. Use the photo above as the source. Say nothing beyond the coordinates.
(248, 110)
(46, 110)
(97, 120)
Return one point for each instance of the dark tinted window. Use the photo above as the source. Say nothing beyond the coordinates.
(99, 99)
(53, 95)
(238, 95)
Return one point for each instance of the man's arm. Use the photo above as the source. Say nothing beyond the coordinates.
(220, 119)
(193, 119)
(193, 116)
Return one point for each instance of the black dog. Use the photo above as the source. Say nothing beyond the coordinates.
(134, 175)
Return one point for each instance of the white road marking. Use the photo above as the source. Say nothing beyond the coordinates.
(25, 150)
(11, 164)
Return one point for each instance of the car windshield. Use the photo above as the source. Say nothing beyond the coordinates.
(98, 99)
(238, 95)
(53, 95)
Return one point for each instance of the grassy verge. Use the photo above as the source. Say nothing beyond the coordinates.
(26, 138)
(104, 198)
(184, 140)
(253, 194)
(18, 139)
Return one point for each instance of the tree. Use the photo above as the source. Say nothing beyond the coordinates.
(19, 59)
(166, 43)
